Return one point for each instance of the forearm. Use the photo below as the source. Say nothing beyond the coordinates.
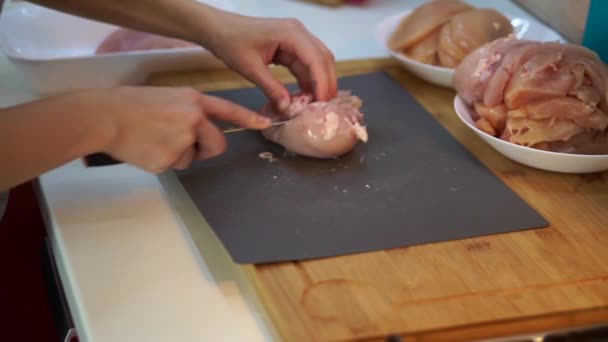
(45, 134)
(183, 19)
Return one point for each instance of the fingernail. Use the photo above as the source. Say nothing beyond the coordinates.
(283, 104)
(262, 120)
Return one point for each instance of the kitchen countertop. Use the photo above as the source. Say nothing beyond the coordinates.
(132, 270)
(525, 283)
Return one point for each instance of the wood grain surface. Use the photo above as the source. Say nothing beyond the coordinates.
(462, 290)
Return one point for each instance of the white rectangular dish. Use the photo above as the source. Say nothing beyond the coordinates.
(55, 51)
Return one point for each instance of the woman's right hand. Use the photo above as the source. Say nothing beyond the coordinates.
(157, 128)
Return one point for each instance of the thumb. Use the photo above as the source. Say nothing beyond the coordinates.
(260, 74)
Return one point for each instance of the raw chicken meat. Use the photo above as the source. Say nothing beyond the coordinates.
(124, 40)
(321, 129)
(426, 50)
(443, 32)
(545, 95)
(424, 20)
(467, 31)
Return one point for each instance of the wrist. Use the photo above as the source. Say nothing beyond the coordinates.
(98, 127)
(208, 25)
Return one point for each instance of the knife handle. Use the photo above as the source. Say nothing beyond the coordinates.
(103, 159)
(594, 334)
(100, 159)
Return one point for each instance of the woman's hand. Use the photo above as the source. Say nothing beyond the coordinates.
(152, 128)
(248, 45)
(159, 128)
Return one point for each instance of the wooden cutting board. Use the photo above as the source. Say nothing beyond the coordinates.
(477, 288)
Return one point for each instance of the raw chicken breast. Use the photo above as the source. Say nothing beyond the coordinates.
(443, 32)
(424, 20)
(545, 95)
(467, 31)
(124, 40)
(318, 129)
(474, 73)
(426, 51)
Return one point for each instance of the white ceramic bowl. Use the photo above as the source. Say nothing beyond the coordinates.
(55, 51)
(443, 76)
(545, 160)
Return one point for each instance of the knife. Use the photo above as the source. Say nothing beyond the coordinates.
(595, 333)
(239, 129)
(103, 159)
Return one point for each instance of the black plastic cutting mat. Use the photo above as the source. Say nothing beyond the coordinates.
(412, 183)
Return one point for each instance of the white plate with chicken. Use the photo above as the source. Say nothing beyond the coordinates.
(542, 104)
(432, 39)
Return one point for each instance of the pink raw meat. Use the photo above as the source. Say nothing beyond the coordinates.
(423, 20)
(468, 30)
(443, 32)
(546, 95)
(322, 129)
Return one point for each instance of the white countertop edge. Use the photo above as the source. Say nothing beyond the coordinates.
(211, 253)
(70, 289)
(204, 294)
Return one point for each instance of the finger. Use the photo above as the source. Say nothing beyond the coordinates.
(258, 72)
(219, 108)
(331, 64)
(320, 61)
(182, 137)
(186, 159)
(297, 69)
(211, 141)
(309, 55)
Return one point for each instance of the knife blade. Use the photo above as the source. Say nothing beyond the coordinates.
(240, 129)
(592, 333)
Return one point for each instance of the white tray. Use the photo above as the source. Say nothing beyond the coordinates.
(55, 51)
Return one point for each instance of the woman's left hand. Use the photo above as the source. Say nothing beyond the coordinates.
(248, 45)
